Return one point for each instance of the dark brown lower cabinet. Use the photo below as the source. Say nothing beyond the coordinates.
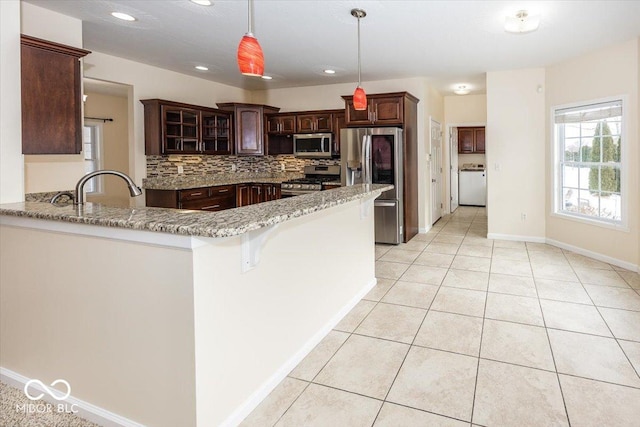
(243, 196)
(249, 194)
(215, 198)
(272, 192)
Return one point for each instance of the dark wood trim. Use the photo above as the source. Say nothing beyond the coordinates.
(50, 46)
(153, 101)
(232, 105)
(410, 136)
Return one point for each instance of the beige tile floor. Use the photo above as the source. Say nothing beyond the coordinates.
(461, 330)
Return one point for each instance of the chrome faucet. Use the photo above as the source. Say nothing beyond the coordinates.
(134, 190)
(69, 194)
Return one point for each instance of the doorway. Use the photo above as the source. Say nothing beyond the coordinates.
(436, 171)
(456, 159)
(107, 142)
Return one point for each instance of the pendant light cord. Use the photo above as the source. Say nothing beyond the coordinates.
(359, 51)
(250, 17)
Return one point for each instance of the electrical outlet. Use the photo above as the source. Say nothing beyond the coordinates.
(282, 167)
(180, 169)
(523, 216)
(233, 167)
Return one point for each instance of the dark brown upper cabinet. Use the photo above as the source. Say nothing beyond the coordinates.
(314, 122)
(385, 109)
(281, 124)
(471, 140)
(176, 128)
(249, 126)
(51, 97)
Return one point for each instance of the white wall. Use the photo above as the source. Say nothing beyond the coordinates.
(608, 72)
(515, 137)
(114, 319)
(329, 97)
(51, 172)
(11, 158)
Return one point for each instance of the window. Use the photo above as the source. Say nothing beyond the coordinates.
(91, 148)
(589, 151)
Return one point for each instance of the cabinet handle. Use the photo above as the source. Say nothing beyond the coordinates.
(223, 191)
(195, 194)
(210, 207)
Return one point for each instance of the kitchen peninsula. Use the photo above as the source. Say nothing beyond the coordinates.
(171, 317)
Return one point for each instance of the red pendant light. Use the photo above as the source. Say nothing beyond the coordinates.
(250, 57)
(359, 99)
(359, 96)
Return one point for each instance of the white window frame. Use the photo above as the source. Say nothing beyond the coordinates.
(96, 184)
(557, 155)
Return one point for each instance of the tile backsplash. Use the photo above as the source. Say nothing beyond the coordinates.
(164, 166)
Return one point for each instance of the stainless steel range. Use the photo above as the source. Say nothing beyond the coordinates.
(314, 179)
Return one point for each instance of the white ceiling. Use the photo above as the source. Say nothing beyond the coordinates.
(448, 42)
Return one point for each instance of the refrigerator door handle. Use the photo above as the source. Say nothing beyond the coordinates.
(366, 159)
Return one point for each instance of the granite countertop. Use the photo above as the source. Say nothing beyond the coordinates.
(178, 182)
(230, 222)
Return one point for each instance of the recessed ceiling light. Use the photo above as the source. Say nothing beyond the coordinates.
(201, 68)
(123, 16)
(522, 22)
(202, 2)
(329, 71)
(461, 90)
(267, 77)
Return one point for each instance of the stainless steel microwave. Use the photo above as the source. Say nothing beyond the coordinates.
(316, 145)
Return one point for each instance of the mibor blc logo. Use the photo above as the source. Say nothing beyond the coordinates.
(49, 391)
(45, 407)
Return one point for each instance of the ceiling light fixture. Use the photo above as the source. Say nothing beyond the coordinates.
(123, 16)
(201, 68)
(329, 71)
(461, 90)
(521, 23)
(250, 57)
(202, 2)
(359, 96)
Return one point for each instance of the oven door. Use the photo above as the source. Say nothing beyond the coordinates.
(290, 193)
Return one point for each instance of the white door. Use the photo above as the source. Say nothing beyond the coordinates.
(436, 171)
(453, 167)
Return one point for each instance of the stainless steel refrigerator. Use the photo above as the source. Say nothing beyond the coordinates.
(374, 156)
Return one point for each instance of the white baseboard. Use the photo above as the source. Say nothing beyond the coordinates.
(532, 239)
(86, 410)
(595, 255)
(263, 391)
